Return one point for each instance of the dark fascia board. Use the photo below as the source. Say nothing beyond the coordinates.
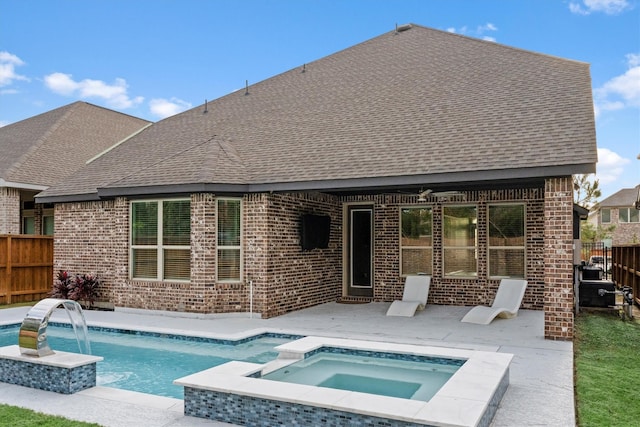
(581, 211)
(331, 186)
(68, 198)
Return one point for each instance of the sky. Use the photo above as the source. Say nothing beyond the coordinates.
(156, 58)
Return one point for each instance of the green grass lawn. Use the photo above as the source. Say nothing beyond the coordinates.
(19, 417)
(607, 370)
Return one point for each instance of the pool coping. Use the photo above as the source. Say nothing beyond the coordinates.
(59, 359)
(467, 399)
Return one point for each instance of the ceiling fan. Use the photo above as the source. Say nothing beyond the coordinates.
(440, 195)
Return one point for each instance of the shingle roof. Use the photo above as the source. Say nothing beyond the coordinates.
(421, 105)
(623, 198)
(44, 149)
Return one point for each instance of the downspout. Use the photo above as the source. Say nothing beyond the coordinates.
(250, 299)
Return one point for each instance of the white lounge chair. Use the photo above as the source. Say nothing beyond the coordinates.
(414, 297)
(505, 305)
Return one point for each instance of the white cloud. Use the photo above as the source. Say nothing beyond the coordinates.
(610, 7)
(610, 166)
(168, 107)
(115, 95)
(621, 91)
(487, 27)
(8, 64)
(3, 123)
(478, 32)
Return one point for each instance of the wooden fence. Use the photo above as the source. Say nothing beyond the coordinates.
(26, 267)
(626, 268)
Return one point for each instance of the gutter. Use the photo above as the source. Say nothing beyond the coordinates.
(375, 184)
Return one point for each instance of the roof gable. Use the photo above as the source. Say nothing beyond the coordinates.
(420, 104)
(44, 149)
(622, 198)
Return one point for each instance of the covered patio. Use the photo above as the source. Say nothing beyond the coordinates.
(541, 374)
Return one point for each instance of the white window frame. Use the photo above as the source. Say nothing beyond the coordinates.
(159, 246)
(231, 247)
(524, 247)
(602, 216)
(430, 208)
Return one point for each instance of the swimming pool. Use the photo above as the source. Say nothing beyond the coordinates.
(150, 362)
(403, 377)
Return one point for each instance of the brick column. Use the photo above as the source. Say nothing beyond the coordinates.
(203, 251)
(558, 258)
(9, 210)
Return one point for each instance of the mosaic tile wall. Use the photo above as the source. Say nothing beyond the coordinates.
(258, 412)
(49, 378)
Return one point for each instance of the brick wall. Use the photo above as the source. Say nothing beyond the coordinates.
(558, 256)
(93, 238)
(388, 283)
(284, 277)
(9, 210)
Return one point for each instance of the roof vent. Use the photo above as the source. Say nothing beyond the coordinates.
(402, 28)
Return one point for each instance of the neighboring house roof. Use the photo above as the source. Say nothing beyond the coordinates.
(623, 198)
(417, 107)
(40, 151)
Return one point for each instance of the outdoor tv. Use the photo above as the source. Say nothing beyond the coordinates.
(314, 231)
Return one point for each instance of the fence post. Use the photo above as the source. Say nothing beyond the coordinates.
(8, 270)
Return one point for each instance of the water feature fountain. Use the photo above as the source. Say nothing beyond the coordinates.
(33, 364)
(32, 339)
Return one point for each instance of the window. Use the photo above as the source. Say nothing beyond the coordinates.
(459, 241)
(47, 219)
(160, 240)
(28, 223)
(47, 225)
(416, 241)
(229, 252)
(506, 241)
(606, 215)
(628, 215)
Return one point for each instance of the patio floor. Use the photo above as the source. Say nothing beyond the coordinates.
(541, 374)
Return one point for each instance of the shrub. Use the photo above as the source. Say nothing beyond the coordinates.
(81, 287)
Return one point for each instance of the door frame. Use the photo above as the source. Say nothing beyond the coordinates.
(346, 240)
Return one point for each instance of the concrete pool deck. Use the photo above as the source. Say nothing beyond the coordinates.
(541, 373)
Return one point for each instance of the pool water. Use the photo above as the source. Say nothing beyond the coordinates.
(417, 380)
(149, 363)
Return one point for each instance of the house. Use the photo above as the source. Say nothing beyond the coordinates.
(620, 210)
(42, 150)
(418, 151)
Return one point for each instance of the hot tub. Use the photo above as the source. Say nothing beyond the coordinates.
(241, 393)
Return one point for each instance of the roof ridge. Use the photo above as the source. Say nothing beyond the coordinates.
(112, 111)
(230, 152)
